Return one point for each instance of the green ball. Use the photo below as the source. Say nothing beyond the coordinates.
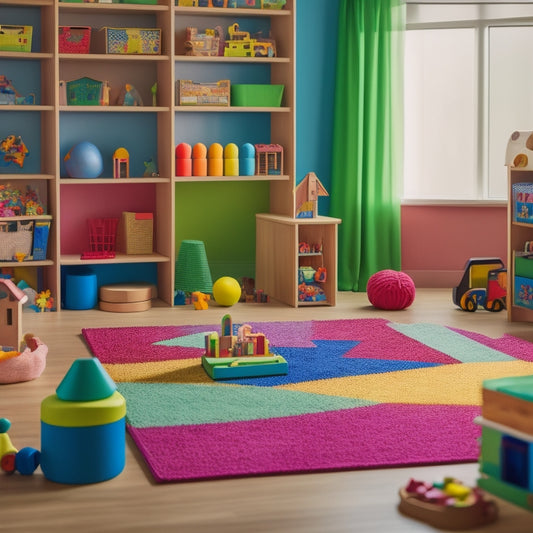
(226, 291)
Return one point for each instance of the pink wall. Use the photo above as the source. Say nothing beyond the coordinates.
(438, 240)
(105, 201)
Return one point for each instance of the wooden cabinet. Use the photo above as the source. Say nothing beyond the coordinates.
(518, 234)
(278, 257)
(152, 131)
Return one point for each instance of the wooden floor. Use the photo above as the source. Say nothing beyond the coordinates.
(363, 501)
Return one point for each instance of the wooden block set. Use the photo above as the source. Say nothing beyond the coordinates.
(246, 354)
(506, 459)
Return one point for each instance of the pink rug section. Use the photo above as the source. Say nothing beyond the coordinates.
(136, 345)
(304, 443)
(378, 340)
(513, 346)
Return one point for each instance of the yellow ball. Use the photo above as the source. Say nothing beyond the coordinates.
(226, 291)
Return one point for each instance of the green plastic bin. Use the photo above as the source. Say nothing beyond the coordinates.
(256, 95)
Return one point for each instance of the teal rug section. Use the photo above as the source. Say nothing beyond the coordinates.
(451, 343)
(148, 403)
(196, 340)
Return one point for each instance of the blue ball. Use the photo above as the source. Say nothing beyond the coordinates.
(84, 160)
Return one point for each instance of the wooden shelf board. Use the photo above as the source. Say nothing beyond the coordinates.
(111, 8)
(313, 304)
(298, 221)
(111, 181)
(111, 57)
(26, 217)
(33, 108)
(14, 177)
(15, 264)
(25, 55)
(207, 179)
(224, 59)
(230, 109)
(243, 12)
(74, 259)
(112, 109)
(20, 3)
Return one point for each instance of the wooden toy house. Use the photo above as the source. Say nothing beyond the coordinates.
(268, 159)
(307, 193)
(11, 300)
(506, 458)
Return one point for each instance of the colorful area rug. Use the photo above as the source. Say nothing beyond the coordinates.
(365, 393)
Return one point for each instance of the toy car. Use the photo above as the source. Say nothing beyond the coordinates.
(484, 283)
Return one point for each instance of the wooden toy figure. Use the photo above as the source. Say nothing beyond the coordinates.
(199, 160)
(121, 163)
(215, 162)
(231, 160)
(183, 160)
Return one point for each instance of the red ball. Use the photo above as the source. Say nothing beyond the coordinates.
(390, 289)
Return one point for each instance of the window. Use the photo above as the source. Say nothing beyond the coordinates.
(467, 87)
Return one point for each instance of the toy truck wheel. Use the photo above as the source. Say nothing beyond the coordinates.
(495, 306)
(470, 304)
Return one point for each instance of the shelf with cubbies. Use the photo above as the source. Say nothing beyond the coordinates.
(281, 236)
(239, 124)
(144, 130)
(518, 234)
(31, 71)
(153, 129)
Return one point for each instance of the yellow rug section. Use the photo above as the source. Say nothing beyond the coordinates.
(459, 384)
(175, 371)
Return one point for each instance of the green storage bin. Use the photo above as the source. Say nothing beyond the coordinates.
(523, 266)
(146, 2)
(256, 95)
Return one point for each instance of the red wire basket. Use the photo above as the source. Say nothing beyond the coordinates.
(102, 234)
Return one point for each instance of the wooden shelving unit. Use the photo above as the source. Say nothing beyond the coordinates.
(518, 234)
(278, 258)
(166, 68)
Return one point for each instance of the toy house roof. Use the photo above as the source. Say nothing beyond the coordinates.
(268, 148)
(14, 290)
(311, 179)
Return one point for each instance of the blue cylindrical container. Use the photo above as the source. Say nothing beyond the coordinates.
(81, 290)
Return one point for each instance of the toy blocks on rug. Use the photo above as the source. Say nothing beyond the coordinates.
(246, 354)
(506, 459)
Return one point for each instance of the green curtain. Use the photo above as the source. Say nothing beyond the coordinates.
(367, 153)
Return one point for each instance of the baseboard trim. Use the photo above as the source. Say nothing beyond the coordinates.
(435, 279)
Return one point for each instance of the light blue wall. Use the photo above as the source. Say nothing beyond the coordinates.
(316, 50)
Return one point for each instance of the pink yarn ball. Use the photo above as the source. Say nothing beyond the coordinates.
(390, 289)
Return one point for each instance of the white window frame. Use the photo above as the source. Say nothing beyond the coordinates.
(503, 14)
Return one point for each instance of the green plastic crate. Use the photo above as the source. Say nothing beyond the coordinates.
(256, 95)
